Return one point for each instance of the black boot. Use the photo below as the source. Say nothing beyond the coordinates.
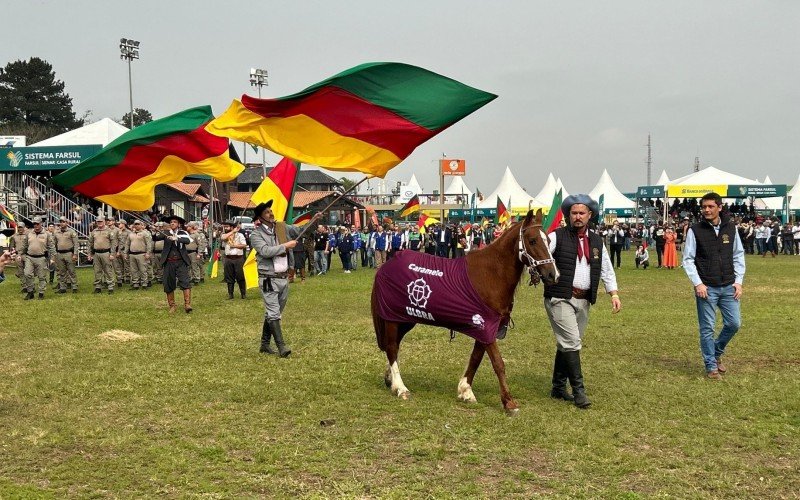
(243, 289)
(230, 291)
(572, 362)
(560, 378)
(275, 326)
(266, 337)
(29, 296)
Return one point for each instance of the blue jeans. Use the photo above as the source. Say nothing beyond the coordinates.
(719, 297)
(320, 261)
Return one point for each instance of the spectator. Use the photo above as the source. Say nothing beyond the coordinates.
(670, 259)
(642, 257)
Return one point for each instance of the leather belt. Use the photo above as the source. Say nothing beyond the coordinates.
(191, 251)
(281, 276)
(234, 256)
(136, 253)
(65, 251)
(102, 251)
(579, 294)
(35, 256)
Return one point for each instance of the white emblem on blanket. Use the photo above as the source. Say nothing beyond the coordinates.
(477, 320)
(418, 292)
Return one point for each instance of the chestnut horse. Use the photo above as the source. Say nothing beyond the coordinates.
(494, 271)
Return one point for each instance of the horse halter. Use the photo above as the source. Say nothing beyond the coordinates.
(528, 260)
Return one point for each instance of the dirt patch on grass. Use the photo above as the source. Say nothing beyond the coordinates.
(119, 335)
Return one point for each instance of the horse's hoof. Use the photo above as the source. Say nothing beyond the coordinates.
(468, 399)
(388, 382)
(512, 412)
(405, 395)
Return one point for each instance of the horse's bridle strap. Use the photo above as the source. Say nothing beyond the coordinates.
(527, 258)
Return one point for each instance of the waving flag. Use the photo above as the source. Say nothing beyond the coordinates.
(278, 187)
(125, 173)
(6, 214)
(503, 214)
(554, 216)
(365, 119)
(425, 221)
(410, 207)
(213, 265)
(302, 219)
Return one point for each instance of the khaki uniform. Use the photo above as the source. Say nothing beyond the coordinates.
(39, 248)
(157, 268)
(197, 250)
(16, 242)
(102, 245)
(121, 265)
(66, 242)
(116, 264)
(138, 249)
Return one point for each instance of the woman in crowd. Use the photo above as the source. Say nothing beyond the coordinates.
(670, 252)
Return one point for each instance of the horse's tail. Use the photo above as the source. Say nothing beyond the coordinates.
(377, 321)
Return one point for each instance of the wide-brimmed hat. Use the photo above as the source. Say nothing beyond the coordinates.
(228, 223)
(260, 208)
(580, 199)
(8, 231)
(170, 218)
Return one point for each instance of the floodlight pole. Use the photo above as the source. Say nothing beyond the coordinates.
(258, 79)
(129, 50)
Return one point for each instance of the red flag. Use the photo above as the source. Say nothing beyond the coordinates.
(554, 216)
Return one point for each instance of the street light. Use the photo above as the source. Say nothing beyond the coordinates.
(129, 50)
(258, 78)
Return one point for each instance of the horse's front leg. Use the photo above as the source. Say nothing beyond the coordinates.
(500, 369)
(465, 384)
(392, 374)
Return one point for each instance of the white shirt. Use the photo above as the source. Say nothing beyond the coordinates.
(239, 239)
(582, 278)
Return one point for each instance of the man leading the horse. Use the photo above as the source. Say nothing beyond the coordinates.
(583, 262)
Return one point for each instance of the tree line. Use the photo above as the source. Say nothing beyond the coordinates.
(34, 103)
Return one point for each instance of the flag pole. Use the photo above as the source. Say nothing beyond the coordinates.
(341, 195)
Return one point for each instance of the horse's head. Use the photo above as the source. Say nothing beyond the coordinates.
(534, 249)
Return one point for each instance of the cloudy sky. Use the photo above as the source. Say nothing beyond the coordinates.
(581, 84)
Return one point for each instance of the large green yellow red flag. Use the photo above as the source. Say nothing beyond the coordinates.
(278, 186)
(503, 215)
(365, 119)
(6, 214)
(125, 173)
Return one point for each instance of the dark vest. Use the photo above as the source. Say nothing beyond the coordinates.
(565, 255)
(714, 256)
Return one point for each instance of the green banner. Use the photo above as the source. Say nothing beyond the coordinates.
(759, 191)
(45, 157)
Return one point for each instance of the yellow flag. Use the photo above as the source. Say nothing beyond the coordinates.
(251, 270)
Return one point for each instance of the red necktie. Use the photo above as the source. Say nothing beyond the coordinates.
(583, 245)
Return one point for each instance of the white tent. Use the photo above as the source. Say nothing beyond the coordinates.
(711, 176)
(612, 197)
(548, 190)
(457, 191)
(407, 191)
(509, 189)
(663, 179)
(794, 194)
(770, 203)
(560, 185)
(101, 132)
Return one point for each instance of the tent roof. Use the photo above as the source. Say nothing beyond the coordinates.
(612, 197)
(457, 187)
(663, 179)
(767, 181)
(100, 132)
(413, 184)
(509, 189)
(564, 192)
(548, 190)
(711, 175)
(794, 201)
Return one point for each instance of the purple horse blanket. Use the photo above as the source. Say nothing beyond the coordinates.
(415, 287)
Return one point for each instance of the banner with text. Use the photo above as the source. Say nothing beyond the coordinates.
(34, 158)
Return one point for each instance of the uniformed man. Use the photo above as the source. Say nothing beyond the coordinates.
(51, 267)
(66, 240)
(116, 262)
(138, 250)
(39, 250)
(102, 250)
(157, 269)
(122, 267)
(15, 243)
(196, 250)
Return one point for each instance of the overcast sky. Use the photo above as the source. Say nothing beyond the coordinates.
(581, 84)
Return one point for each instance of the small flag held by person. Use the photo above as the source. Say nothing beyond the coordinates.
(410, 207)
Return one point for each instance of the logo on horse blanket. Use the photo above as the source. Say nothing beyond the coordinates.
(414, 287)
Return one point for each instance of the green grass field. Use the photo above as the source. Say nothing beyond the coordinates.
(192, 409)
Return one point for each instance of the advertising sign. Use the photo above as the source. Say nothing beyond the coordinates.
(773, 191)
(696, 191)
(449, 166)
(650, 192)
(44, 157)
(12, 141)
